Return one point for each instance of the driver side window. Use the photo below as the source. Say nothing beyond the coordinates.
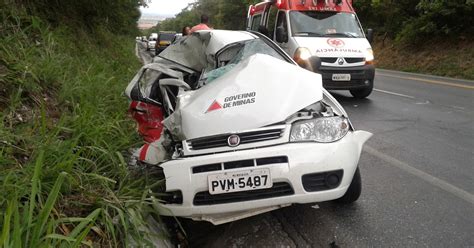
(272, 21)
(281, 21)
(256, 22)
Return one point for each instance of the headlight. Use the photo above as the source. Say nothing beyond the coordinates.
(324, 129)
(369, 56)
(301, 56)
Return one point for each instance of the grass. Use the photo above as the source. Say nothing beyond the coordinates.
(64, 133)
(450, 58)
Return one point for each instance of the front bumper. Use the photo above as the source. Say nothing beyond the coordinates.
(361, 77)
(303, 158)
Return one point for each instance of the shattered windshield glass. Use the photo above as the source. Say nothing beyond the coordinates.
(252, 47)
(233, 54)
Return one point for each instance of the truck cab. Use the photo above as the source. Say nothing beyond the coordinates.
(326, 29)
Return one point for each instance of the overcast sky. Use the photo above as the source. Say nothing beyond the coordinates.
(165, 7)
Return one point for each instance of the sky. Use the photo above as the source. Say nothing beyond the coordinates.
(166, 8)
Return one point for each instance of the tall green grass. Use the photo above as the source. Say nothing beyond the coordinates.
(64, 134)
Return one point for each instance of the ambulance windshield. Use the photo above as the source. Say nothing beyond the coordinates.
(325, 24)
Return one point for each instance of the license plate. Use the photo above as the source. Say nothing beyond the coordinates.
(341, 77)
(236, 181)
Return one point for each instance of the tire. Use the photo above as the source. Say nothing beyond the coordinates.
(354, 190)
(364, 92)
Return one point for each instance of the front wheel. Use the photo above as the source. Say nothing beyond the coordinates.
(354, 190)
(364, 92)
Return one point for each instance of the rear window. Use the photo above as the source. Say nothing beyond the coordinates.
(167, 37)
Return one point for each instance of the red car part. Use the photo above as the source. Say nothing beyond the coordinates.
(149, 118)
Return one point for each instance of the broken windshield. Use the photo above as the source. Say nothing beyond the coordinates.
(234, 53)
(251, 47)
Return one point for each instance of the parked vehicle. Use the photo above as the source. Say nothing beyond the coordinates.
(235, 128)
(177, 37)
(164, 40)
(154, 36)
(151, 43)
(323, 28)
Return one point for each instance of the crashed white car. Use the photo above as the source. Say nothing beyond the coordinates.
(246, 130)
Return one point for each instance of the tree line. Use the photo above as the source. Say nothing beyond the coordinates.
(408, 21)
(118, 16)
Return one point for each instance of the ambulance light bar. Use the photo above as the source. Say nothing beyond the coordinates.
(252, 10)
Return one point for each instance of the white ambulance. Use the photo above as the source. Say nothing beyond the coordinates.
(327, 29)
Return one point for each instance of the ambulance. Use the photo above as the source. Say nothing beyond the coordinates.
(326, 30)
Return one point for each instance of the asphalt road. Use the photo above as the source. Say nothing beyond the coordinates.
(417, 172)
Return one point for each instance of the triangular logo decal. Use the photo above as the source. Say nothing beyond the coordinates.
(214, 106)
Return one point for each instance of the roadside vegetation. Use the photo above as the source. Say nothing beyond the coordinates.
(64, 131)
(427, 36)
(437, 34)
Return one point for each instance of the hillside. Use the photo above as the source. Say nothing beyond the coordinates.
(442, 57)
(64, 131)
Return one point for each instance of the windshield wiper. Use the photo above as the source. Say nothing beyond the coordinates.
(313, 34)
(346, 34)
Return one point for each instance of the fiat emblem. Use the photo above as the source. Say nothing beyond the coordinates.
(233, 140)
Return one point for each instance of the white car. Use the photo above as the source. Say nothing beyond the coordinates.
(151, 44)
(246, 129)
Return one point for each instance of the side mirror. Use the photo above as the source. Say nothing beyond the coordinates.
(370, 35)
(315, 63)
(281, 35)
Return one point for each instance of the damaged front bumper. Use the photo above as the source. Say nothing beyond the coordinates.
(298, 171)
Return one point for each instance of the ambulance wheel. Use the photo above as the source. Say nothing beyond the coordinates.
(353, 192)
(364, 92)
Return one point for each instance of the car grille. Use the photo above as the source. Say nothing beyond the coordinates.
(277, 190)
(331, 60)
(245, 138)
(328, 60)
(354, 60)
(240, 164)
(322, 180)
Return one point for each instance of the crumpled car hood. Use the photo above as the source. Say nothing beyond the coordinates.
(257, 92)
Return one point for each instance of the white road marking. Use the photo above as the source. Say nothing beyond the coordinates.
(136, 50)
(463, 86)
(457, 107)
(394, 93)
(423, 103)
(422, 175)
